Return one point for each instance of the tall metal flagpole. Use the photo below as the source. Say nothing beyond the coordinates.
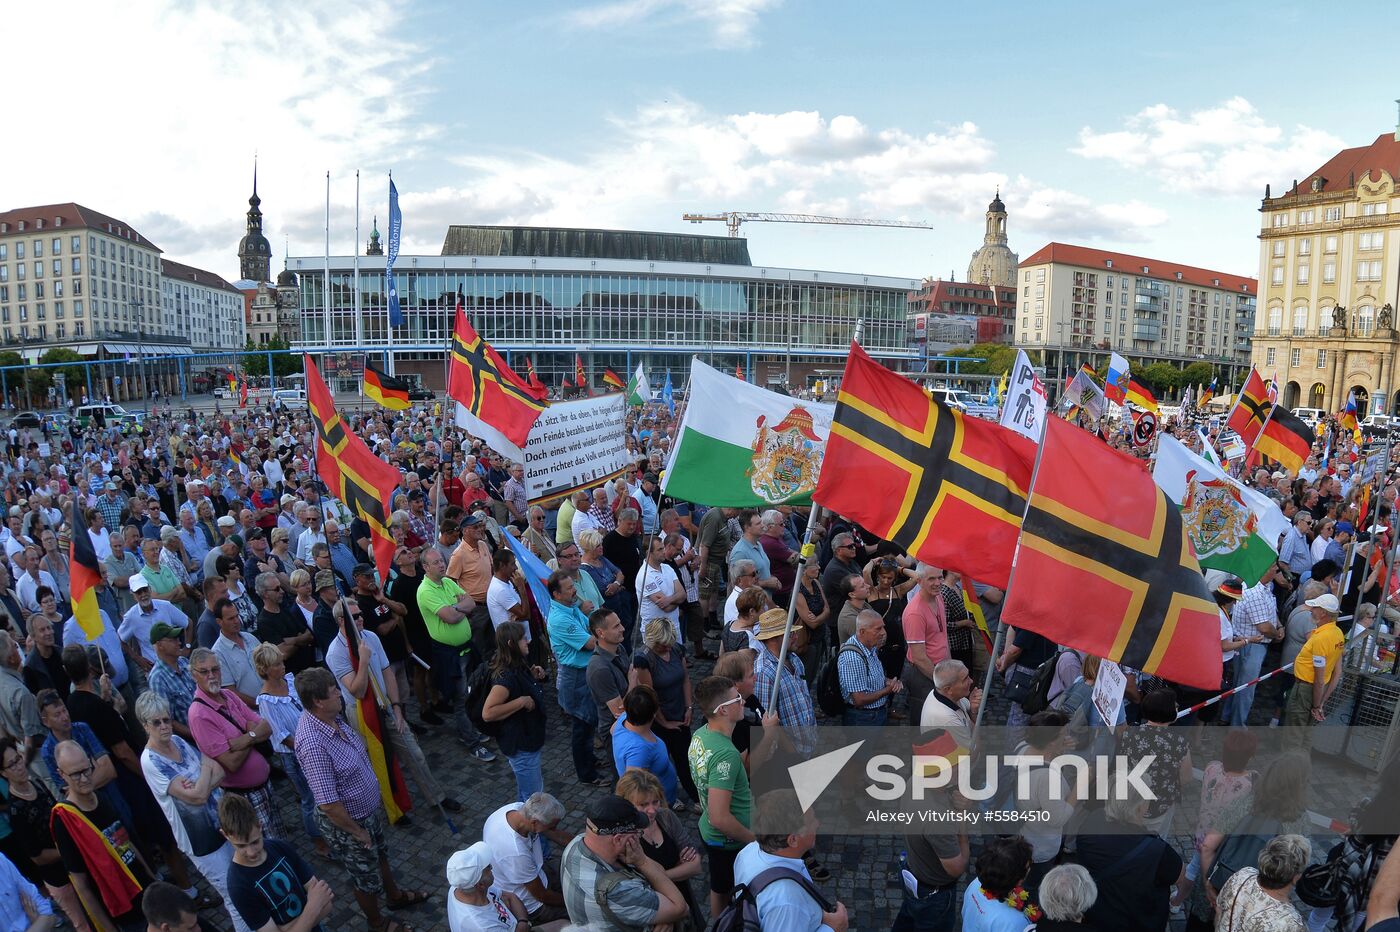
(1010, 580)
(447, 402)
(359, 322)
(328, 267)
(388, 315)
(807, 552)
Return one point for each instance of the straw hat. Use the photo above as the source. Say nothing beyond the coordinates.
(771, 624)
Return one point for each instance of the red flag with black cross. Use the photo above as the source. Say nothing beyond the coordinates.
(1104, 565)
(363, 481)
(947, 488)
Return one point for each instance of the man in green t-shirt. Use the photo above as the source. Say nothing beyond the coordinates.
(446, 611)
(723, 784)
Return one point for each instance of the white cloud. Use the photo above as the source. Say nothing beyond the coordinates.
(1228, 149)
(731, 23)
(161, 106)
(1064, 215)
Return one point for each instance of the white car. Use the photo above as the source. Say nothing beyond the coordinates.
(289, 399)
(1311, 416)
(964, 401)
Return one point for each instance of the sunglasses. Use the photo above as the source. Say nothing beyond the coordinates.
(735, 701)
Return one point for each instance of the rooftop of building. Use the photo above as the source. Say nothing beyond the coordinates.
(577, 243)
(49, 217)
(179, 272)
(1342, 171)
(1102, 259)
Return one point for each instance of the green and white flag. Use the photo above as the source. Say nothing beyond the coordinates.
(744, 446)
(638, 388)
(1232, 527)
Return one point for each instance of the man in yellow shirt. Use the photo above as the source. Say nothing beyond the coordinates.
(1315, 672)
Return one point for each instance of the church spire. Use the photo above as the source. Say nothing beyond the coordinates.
(373, 248)
(254, 251)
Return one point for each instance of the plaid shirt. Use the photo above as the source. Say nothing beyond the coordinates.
(1257, 606)
(336, 766)
(795, 710)
(111, 509)
(860, 671)
(175, 686)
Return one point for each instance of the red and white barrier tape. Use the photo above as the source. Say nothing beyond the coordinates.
(1230, 692)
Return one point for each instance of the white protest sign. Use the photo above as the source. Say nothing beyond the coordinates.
(576, 445)
(1108, 691)
(1024, 406)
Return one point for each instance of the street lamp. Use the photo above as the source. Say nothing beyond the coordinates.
(140, 353)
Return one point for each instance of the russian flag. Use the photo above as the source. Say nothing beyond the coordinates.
(1115, 385)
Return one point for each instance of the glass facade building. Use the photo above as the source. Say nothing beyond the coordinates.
(612, 312)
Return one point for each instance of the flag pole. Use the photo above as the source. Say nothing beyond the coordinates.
(327, 301)
(359, 321)
(806, 553)
(1389, 559)
(447, 400)
(1010, 580)
(388, 315)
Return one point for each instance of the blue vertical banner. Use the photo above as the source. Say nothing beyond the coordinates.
(395, 230)
(667, 395)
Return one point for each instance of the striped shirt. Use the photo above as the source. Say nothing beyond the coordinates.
(175, 687)
(1256, 607)
(860, 671)
(283, 713)
(794, 708)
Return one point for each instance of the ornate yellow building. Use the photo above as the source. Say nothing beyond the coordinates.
(1329, 254)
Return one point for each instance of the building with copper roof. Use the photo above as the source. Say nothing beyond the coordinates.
(1329, 270)
(1080, 303)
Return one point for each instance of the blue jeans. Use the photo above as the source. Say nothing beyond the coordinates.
(305, 801)
(1247, 665)
(576, 699)
(529, 776)
(934, 912)
(853, 716)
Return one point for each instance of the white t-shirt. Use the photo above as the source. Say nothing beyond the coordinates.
(688, 578)
(500, 598)
(1227, 630)
(515, 859)
(731, 606)
(463, 917)
(663, 580)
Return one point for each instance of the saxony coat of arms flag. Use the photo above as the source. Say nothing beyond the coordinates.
(1232, 527)
(744, 446)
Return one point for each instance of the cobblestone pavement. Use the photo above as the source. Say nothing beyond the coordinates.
(864, 868)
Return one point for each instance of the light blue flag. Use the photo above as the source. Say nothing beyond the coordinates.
(535, 572)
(392, 255)
(667, 396)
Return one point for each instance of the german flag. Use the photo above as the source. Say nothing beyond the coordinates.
(611, 379)
(953, 488)
(1286, 439)
(369, 722)
(363, 481)
(1140, 395)
(496, 403)
(84, 575)
(384, 389)
(1101, 536)
(1251, 410)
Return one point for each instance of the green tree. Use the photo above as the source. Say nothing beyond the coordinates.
(72, 375)
(1161, 377)
(1198, 373)
(254, 362)
(996, 358)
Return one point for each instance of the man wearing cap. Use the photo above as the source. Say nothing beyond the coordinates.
(611, 842)
(384, 617)
(1343, 533)
(794, 708)
(420, 523)
(1316, 671)
(111, 503)
(226, 526)
(1254, 620)
(259, 562)
(470, 568)
(446, 611)
(137, 621)
(473, 902)
(170, 676)
(287, 518)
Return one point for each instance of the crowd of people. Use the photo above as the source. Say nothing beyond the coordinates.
(249, 645)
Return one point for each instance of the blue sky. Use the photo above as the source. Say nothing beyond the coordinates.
(1151, 131)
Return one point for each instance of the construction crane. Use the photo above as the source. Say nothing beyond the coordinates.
(733, 218)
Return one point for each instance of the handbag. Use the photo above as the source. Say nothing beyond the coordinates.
(1322, 885)
(1242, 849)
(1018, 685)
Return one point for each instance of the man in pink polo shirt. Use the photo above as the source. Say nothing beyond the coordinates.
(926, 631)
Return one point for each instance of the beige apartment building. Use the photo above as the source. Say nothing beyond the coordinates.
(1329, 251)
(1077, 304)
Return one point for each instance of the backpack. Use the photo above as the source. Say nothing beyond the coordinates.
(478, 687)
(1038, 692)
(829, 698)
(741, 915)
